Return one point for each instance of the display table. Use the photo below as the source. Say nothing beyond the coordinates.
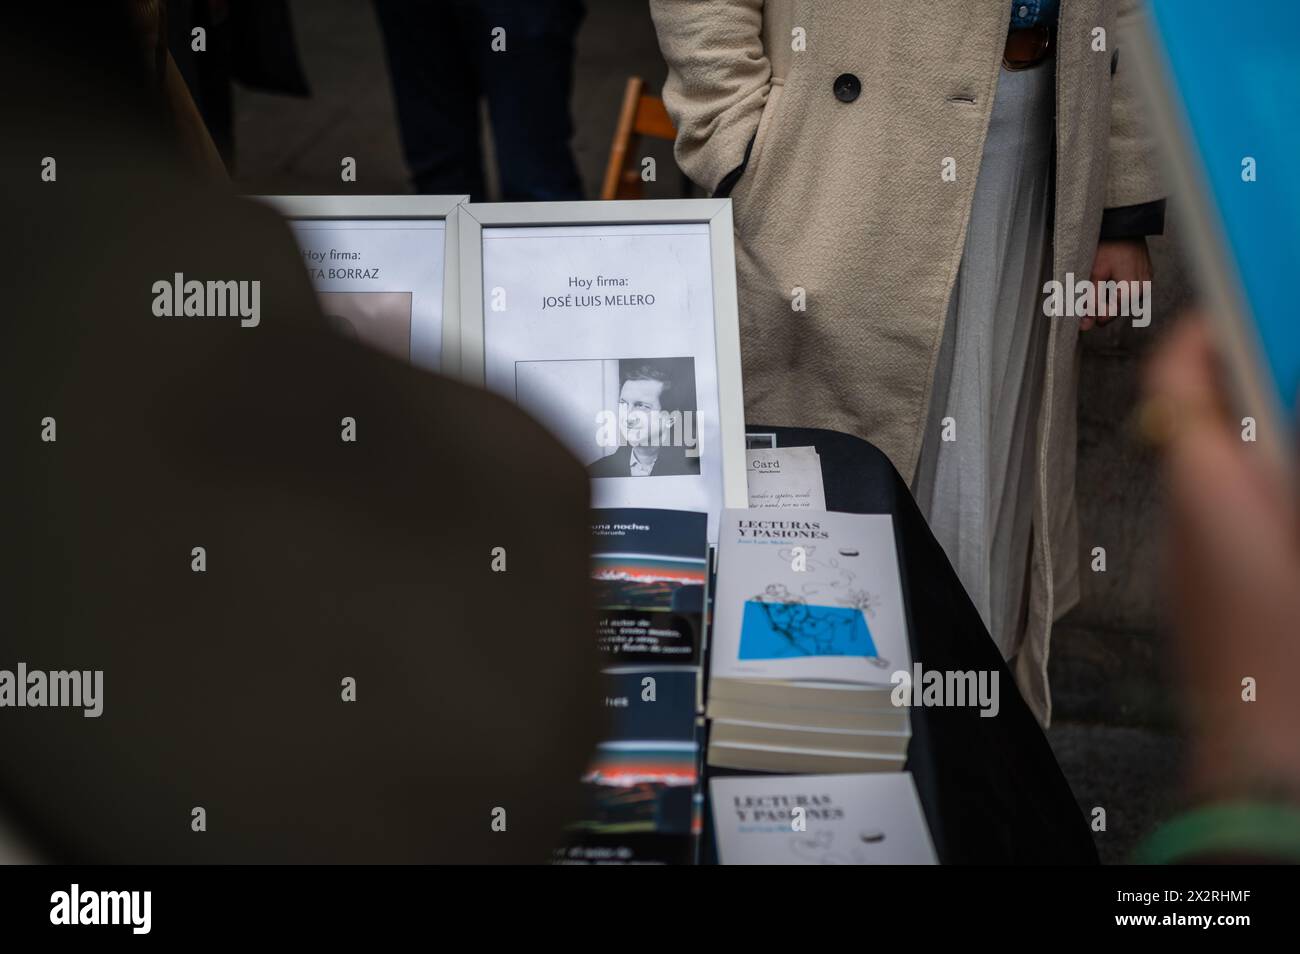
(990, 787)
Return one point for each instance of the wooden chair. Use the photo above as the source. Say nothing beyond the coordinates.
(641, 115)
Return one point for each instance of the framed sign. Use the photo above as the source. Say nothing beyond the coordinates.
(615, 325)
(385, 267)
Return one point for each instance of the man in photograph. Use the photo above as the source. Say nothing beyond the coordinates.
(650, 427)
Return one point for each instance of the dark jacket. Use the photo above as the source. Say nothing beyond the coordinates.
(671, 462)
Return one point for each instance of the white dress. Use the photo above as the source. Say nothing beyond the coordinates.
(976, 490)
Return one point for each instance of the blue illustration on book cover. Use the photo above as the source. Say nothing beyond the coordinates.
(781, 625)
(812, 595)
(826, 616)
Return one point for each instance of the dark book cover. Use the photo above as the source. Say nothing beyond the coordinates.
(642, 782)
(650, 568)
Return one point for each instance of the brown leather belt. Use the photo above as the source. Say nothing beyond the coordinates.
(1027, 46)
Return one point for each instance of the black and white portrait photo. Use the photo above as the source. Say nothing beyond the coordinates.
(623, 417)
(380, 320)
(655, 421)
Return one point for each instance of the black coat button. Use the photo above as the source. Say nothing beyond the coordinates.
(847, 87)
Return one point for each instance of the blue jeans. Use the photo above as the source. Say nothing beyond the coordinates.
(441, 62)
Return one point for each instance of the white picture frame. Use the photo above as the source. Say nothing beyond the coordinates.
(440, 352)
(604, 218)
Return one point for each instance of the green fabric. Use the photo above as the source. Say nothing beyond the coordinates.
(1233, 828)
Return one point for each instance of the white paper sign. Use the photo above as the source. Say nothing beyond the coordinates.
(605, 334)
(873, 819)
(785, 478)
(380, 281)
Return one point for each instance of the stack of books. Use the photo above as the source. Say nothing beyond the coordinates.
(809, 627)
(650, 570)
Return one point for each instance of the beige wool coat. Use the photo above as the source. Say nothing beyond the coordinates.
(846, 200)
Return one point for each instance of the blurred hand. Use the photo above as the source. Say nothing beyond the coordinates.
(1117, 260)
(1233, 578)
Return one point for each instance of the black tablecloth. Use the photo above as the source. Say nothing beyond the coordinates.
(991, 788)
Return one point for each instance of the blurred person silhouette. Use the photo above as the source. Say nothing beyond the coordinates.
(249, 42)
(443, 57)
(326, 561)
(150, 23)
(1233, 584)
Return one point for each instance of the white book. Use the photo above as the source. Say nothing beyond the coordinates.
(827, 694)
(864, 720)
(813, 738)
(808, 595)
(845, 820)
(755, 757)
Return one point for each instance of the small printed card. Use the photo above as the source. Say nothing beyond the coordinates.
(785, 478)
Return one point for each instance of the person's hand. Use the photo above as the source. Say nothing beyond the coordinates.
(1233, 578)
(1117, 260)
